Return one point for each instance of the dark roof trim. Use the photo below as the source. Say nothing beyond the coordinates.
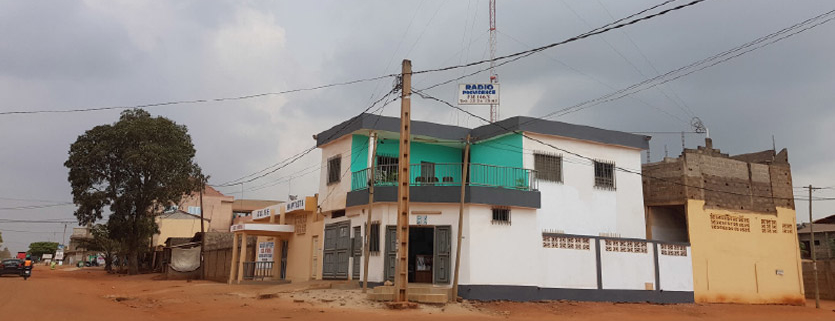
(390, 124)
(518, 123)
(556, 128)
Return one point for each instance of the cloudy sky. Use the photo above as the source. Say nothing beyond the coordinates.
(58, 55)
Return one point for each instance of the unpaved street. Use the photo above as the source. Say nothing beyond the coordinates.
(91, 294)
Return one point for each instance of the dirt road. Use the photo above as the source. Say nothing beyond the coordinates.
(94, 295)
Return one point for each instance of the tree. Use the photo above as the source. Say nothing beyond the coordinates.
(1, 237)
(38, 249)
(133, 168)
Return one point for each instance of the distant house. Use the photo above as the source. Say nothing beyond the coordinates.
(218, 208)
(177, 225)
(737, 212)
(77, 251)
(824, 240)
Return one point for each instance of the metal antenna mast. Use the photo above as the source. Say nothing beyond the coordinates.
(494, 78)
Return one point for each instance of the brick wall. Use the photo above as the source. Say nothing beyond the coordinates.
(750, 182)
(826, 279)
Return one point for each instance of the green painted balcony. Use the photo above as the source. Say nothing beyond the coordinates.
(448, 174)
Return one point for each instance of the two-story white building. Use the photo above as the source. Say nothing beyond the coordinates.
(540, 222)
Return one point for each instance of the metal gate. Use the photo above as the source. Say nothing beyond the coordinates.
(441, 260)
(336, 251)
(391, 252)
(356, 250)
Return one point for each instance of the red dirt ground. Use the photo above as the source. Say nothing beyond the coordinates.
(91, 294)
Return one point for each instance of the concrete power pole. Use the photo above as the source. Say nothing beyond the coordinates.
(401, 278)
(812, 249)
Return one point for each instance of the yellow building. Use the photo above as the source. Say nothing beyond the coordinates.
(737, 212)
(288, 246)
(177, 224)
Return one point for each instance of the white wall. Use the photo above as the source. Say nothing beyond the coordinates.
(575, 206)
(569, 268)
(627, 271)
(676, 272)
(332, 197)
(503, 254)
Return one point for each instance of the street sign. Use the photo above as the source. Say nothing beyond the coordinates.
(478, 94)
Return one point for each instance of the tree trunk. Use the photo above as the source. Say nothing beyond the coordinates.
(133, 262)
(108, 262)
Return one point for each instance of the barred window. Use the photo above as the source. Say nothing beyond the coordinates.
(334, 169)
(501, 215)
(787, 228)
(604, 175)
(548, 167)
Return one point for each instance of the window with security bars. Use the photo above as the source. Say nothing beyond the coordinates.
(604, 175)
(501, 215)
(334, 169)
(548, 167)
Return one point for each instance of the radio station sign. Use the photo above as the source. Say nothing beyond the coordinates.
(262, 213)
(295, 205)
(478, 94)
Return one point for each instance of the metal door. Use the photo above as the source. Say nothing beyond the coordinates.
(357, 253)
(335, 254)
(441, 260)
(391, 252)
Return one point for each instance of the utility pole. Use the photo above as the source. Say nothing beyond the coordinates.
(202, 231)
(64, 238)
(371, 181)
(401, 278)
(812, 249)
(464, 172)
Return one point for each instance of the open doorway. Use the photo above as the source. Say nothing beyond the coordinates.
(421, 252)
(667, 223)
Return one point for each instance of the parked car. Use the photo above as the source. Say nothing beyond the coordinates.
(11, 266)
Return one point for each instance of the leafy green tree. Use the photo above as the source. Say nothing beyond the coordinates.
(38, 249)
(1, 237)
(133, 168)
(5, 254)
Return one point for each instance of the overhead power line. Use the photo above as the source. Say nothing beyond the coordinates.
(620, 23)
(197, 101)
(287, 162)
(32, 207)
(694, 67)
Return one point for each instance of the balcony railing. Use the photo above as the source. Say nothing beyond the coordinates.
(448, 174)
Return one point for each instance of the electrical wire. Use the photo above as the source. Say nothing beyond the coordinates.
(605, 28)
